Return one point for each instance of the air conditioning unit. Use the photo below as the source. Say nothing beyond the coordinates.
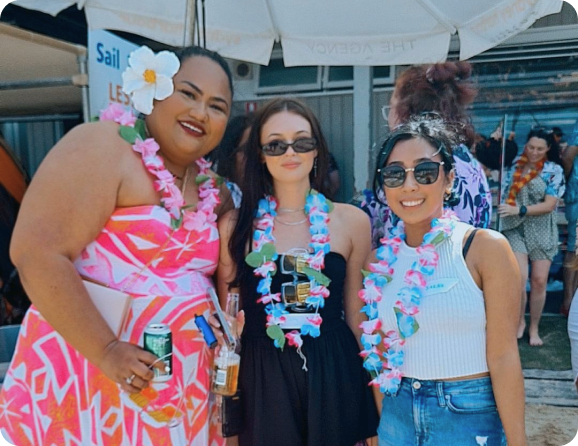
(242, 71)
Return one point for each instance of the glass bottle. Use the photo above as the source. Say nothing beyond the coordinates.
(225, 372)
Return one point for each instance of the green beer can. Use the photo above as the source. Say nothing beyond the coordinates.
(158, 340)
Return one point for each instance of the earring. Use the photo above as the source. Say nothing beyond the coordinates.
(315, 168)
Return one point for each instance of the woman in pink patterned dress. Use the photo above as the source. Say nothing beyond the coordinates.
(137, 216)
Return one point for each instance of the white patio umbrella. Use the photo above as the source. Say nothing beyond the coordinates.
(365, 32)
(320, 32)
(169, 22)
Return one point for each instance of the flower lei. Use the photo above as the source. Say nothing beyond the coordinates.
(262, 259)
(519, 181)
(133, 131)
(387, 374)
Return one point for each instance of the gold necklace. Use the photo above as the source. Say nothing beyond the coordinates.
(289, 210)
(186, 177)
(292, 223)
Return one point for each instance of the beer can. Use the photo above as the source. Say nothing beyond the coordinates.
(158, 340)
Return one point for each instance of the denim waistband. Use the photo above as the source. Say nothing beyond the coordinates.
(441, 388)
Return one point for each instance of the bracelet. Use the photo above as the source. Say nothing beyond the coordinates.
(523, 211)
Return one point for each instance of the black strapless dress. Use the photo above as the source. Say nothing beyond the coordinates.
(331, 404)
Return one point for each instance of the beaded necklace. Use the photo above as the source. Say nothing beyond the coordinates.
(133, 131)
(262, 259)
(387, 374)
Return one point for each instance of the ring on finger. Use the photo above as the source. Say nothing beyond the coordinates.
(130, 379)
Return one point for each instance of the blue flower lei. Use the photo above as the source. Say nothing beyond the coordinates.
(387, 374)
(263, 256)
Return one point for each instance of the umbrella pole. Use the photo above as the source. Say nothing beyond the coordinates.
(190, 18)
(502, 167)
(204, 25)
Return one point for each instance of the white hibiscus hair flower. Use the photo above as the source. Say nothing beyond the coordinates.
(149, 76)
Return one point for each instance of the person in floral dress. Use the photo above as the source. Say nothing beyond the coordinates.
(132, 205)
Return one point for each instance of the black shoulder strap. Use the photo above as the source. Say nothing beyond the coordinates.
(469, 241)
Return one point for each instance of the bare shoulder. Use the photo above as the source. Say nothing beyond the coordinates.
(490, 250)
(94, 139)
(89, 148)
(350, 215)
(490, 240)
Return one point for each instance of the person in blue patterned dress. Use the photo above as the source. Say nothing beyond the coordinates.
(570, 164)
(530, 222)
(444, 89)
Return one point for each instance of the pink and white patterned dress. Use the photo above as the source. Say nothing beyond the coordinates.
(53, 396)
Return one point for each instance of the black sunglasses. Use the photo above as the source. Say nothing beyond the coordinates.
(278, 147)
(426, 172)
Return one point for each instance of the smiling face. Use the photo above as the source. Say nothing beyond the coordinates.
(536, 149)
(191, 122)
(413, 202)
(291, 167)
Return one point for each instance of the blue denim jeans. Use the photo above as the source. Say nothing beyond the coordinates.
(441, 413)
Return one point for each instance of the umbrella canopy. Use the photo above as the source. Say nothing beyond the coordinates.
(320, 32)
(167, 22)
(365, 32)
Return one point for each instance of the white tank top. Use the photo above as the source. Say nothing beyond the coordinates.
(451, 340)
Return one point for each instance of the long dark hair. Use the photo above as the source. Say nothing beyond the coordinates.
(224, 154)
(257, 181)
(444, 88)
(431, 129)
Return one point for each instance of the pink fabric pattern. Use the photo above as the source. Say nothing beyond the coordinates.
(53, 396)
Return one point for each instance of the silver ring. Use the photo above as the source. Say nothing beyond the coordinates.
(130, 379)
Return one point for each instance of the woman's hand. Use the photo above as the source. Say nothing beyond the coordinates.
(236, 323)
(506, 210)
(129, 365)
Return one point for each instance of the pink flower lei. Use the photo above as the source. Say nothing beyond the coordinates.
(133, 131)
(387, 374)
(262, 259)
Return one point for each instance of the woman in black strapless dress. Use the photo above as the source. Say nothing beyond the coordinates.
(301, 377)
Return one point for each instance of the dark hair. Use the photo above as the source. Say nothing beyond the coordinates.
(444, 88)
(224, 154)
(257, 182)
(431, 129)
(539, 133)
(197, 51)
(557, 131)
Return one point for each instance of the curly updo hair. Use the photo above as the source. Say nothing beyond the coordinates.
(445, 88)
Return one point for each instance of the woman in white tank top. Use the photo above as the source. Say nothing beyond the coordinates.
(441, 337)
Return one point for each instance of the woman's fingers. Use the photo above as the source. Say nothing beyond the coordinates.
(148, 361)
(217, 330)
(240, 322)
